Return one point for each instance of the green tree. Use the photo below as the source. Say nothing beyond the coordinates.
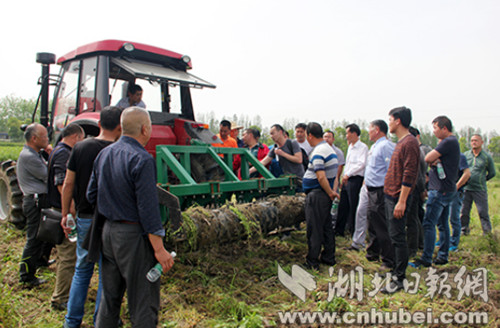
(494, 146)
(15, 107)
(464, 145)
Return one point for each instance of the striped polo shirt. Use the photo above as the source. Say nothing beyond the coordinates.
(322, 158)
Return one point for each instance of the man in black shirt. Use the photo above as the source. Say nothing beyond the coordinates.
(75, 185)
(66, 256)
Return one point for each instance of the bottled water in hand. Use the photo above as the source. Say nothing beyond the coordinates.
(155, 273)
(70, 223)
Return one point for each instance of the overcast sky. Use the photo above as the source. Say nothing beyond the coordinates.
(311, 60)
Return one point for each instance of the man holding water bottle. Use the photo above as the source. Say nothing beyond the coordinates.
(444, 160)
(66, 256)
(123, 185)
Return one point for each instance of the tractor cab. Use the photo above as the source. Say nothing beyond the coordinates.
(98, 74)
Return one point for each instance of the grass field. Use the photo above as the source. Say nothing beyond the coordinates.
(237, 285)
(10, 150)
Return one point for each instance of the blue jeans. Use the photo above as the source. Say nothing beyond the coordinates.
(456, 226)
(437, 213)
(81, 279)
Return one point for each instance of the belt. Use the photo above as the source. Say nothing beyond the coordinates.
(85, 215)
(127, 222)
(374, 188)
(313, 190)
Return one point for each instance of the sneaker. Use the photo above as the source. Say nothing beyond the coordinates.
(419, 263)
(394, 286)
(453, 248)
(33, 283)
(45, 264)
(440, 261)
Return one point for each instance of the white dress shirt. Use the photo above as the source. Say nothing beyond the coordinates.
(355, 162)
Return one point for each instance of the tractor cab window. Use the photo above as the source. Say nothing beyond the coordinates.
(75, 95)
(87, 86)
(151, 94)
(66, 100)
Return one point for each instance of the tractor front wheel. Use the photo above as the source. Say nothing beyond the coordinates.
(11, 197)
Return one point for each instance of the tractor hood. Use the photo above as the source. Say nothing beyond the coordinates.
(154, 72)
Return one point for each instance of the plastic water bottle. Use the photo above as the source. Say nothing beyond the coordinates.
(70, 223)
(155, 273)
(440, 171)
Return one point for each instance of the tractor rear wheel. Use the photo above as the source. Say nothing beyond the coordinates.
(11, 196)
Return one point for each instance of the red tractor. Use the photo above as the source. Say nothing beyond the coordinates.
(97, 75)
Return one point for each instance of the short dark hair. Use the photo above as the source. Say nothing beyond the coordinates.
(314, 129)
(443, 121)
(477, 135)
(403, 114)
(254, 132)
(302, 126)
(414, 131)
(133, 88)
(278, 127)
(226, 123)
(110, 117)
(353, 127)
(382, 126)
(331, 132)
(30, 131)
(71, 129)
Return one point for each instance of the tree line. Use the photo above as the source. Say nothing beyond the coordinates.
(491, 139)
(15, 111)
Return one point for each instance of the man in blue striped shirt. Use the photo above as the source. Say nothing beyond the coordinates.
(318, 186)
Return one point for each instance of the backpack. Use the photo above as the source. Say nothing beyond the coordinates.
(305, 158)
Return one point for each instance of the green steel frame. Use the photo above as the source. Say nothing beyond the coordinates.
(177, 160)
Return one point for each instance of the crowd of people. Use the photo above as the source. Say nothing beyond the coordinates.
(108, 184)
(393, 196)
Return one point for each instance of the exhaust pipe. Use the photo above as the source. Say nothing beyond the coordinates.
(45, 59)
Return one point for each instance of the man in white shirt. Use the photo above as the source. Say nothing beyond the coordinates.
(300, 136)
(134, 97)
(352, 180)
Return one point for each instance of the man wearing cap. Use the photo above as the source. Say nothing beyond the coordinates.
(235, 131)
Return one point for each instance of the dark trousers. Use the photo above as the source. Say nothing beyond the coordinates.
(349, 199)
(397, 232)
(414, 230)
(380, 241)
(319, 228)
(127, 256)
(33, 247)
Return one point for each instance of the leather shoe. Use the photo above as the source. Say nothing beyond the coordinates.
(33, 283)
(394, 286)
(440, 261)
(311, 266)
(328, 262)
(60, 306)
